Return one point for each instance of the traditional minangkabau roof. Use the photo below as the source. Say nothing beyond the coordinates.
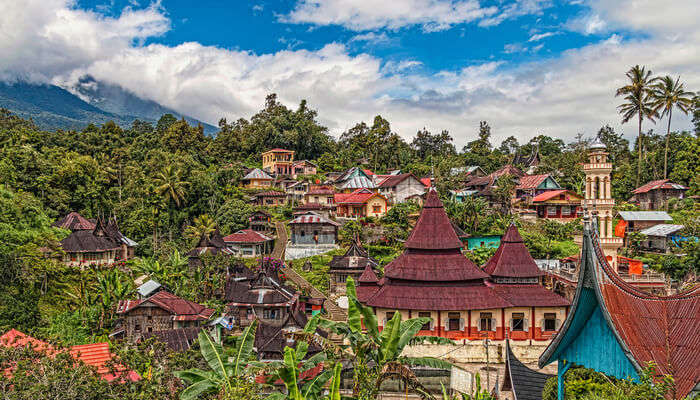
(433, 230)
(660, 184)
(512, 259)
(82, 241)
(246, 236)
(257, 173)
(312, 218)
(631, 328)
(525, 383)
(270, 339)
(355, 259)
(96, 354)
(181, 309)
(75, 222)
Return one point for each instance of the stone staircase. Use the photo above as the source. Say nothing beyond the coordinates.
(335, 313)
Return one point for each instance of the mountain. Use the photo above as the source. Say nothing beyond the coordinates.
(52, 107)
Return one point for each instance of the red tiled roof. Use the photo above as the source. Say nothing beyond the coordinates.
(246, 236)
(359, 196)
(531, 181)
(544, 196)
(173, 304)
(449, 296)
(393, 180)
(96, 355)
(534, 295)
(74, 221)
(512, 259)
(368, 275)
(433, 266)
(660, 184)
(433, 230)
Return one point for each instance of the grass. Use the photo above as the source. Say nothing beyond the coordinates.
(318, 277)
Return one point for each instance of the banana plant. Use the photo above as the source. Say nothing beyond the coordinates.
(226, 370)
(382, 349)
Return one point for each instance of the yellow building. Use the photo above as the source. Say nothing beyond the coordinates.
(257, 179)
(278, 162)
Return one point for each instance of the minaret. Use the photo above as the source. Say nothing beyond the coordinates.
(598, 198)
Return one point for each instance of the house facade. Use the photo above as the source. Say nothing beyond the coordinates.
(656, 194)
(270, 198)
(323, 195)
(296, 191)
(351, 264)
(433, 279)
(399, 188)
(261, 221)
(162, 311)
(360, 203)
(248, 243)
(257, 179)
(313, 229)
(562, 204)
(278, 161)
(304, 167)
(530, 186)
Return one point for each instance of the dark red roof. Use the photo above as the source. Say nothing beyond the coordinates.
(512, 259)
(531, 181)
(81, 241)
(449, 296)
(660, 184)
(534, 295)
(433, 266)
(74, 221)
(246, 236)
(393, 180)
(368, 275)
(433, 230)
(359, 196)
(177, 306)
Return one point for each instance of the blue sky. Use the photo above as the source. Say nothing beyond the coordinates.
(528, 67)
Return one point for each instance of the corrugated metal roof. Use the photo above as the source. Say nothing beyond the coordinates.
(148, 288)
(661, 230)
(357, 182)
(645, 216)
(660, 184)
(312, 218)
(257, 173)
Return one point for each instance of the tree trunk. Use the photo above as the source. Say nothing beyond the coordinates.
(668, 133)
(639, 149)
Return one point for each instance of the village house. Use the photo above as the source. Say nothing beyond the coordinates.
(270, 198)
(635, 221)
(313, 229)
(433, 279)
(257, 179)
(398, 188)
(561, 205)
(303, 167)
(325, 210)
(484, 185)
(320, 195)
(296, 191)
(360, 203)
(530, 186)
(278, 162)
(211, 244)
(162, 311)
(258, 297)
(656, 194)
(271, 337)
(662, 238)
(93, 242)
(248, 243)
(353, 179)
(618, 330)
(261, 221)
(527, 163)
(351, 264)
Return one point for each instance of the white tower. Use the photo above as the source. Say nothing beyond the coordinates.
(598, 198)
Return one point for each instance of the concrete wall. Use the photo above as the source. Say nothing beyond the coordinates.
(379, 202)
(310, 233)
(407, 188)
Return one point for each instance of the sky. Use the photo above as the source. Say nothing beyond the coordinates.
(528, 67)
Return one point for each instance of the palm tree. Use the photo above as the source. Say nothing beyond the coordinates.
(203, 226)
(171, 188)
(638, 99)
(667, 94)
(377, 355)
(227, 372)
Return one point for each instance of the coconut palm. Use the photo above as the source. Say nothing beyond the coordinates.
(638, 102)
(203, 226)
(227, 371)
(170, 186)
(667, 94)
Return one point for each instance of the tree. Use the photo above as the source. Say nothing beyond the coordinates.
(228, 373)
(638, 102)
(482, 145)
(377, 356)
(426, 144)
(170, 186)
(667, 94)
(203, 226)
(505, 191)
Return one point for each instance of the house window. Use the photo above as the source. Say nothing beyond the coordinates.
(550, 322)
(376, 209)
(389, 316)
(426, 326)
(302, 234)
(454, 321)
(485, 322)
(566, 210)
(551, 210)
(137, 327)
(518, 322)
(271, 314)
(340, 278)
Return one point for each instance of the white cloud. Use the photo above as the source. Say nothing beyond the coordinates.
(372, 38)
(539, 36)
(518, 8)
(561, 96)
(361, 15)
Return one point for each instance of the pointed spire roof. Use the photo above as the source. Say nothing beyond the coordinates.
(433, 231)
(368, 276)
(512, 259)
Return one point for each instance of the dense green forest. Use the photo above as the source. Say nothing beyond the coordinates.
(159, 180)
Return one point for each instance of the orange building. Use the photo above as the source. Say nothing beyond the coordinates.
(278, 162)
